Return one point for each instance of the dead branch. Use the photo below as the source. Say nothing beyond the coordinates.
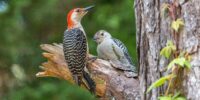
(110, 82)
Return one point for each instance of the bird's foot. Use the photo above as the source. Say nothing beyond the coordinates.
(92, 59)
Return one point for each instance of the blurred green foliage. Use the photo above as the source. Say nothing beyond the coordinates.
(52, 90)
(25, 24)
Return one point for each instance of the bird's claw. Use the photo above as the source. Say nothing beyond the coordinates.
(92, 59)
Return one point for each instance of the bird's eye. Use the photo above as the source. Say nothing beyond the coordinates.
(78, 10)
(102, 34)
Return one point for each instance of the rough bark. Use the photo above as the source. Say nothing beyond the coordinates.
(153, 31)
(110, 82)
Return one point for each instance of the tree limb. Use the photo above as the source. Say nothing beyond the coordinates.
(110, 82)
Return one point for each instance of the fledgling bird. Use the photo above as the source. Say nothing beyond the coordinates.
(115, 51)
(75, 47)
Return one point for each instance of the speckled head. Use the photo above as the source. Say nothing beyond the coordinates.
(101, 35)
(75, 15)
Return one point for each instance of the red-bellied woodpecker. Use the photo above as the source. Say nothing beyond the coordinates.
(114, 50)
(75, 47)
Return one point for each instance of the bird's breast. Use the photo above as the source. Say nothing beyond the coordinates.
(105, 50)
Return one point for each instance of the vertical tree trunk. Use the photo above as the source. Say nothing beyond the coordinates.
(153, 31)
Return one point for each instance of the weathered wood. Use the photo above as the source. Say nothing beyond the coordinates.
(153, 31)
(110, 82)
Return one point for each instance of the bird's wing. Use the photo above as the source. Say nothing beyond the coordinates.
(75, 50)
(125, 50)
(117, 51)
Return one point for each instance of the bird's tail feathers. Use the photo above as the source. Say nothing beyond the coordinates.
(89, 82)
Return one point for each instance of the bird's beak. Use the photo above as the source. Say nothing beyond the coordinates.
(88, 8)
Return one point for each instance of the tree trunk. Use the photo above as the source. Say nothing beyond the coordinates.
(153, 31)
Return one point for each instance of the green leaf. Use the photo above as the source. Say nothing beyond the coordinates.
(187, 64)
(176, 95)
(167, 51)
(177, 24)
(180, 98)
(179, 61)
(160, 82)
(165, 98)
(169, 43)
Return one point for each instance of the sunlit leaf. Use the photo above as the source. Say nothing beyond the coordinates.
(176, 25)
(167, 51)
(187, 64)
(169, 43)
(160, 82)
(164, 52)
(180, 98)
(179, 61)
(165, 98)
(176, 95)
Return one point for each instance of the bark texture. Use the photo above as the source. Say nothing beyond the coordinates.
(153, 31)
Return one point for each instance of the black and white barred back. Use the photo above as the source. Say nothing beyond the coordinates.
(75, 50)
(125, 50)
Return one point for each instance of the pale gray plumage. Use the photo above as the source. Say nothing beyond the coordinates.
(113, 50)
